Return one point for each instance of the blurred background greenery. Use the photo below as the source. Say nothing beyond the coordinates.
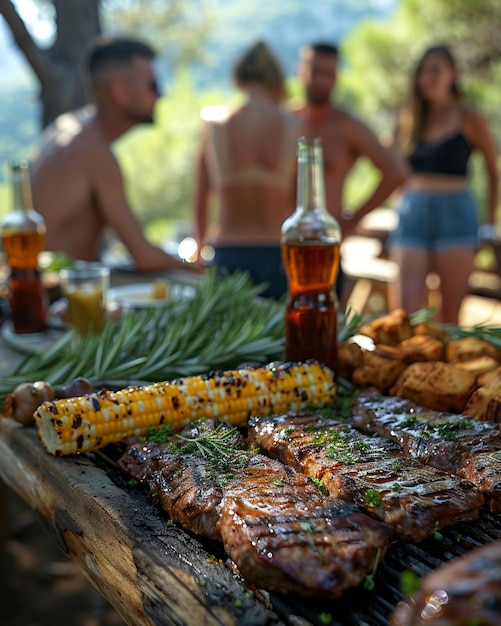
(198, 41)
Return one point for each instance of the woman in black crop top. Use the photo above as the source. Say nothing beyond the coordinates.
(438, 217)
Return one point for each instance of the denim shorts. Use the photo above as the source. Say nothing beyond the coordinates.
(436, 220)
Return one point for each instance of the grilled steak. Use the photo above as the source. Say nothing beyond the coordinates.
(284, 534)
(187, 487)
(453, 443)
(412, 499)
(275, 524)
(467, 590)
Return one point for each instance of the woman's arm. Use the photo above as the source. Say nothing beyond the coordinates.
(202, 191)
(480, 137)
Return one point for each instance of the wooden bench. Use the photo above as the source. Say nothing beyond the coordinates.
(366, 275)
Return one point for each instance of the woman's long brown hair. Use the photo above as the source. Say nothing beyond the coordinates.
(414, 116)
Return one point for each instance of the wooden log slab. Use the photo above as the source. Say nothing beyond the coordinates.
(153, 573)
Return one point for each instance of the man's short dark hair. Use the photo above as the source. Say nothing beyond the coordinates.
(322, 47)
(111, 53)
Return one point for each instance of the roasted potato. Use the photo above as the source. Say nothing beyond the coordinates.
(484, 404)
(488, 377)
(470, 348)
(389, 329)
(379, 368)
(349, 356)
(479, 366)
(436, 385)
(421, 348)
(432, 329)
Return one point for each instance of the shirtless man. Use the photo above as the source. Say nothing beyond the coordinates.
(344, 138)
(76, 179)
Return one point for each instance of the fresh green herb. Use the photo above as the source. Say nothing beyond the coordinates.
(217, 443)
(311, 429)
(325, 618)
(238, 604)
(372, 498)
(307, 527)
(160, 434)
(319, 485)
(249, 595)
(350, 324)
(437, 535)
(396, 487)
(422, 315)
(397, 467)
(338, 446)
(409, 582)
(289, 431)
(410, 422)
(369, 582)
(496, 456)
(170, 522)
(458, 537)
(449, 431)
(132, 482)
(278, 482)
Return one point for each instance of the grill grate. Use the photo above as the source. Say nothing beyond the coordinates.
(359, 607)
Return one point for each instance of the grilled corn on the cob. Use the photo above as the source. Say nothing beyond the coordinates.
(92, 421)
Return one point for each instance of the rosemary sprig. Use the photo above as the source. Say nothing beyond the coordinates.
(214, 445)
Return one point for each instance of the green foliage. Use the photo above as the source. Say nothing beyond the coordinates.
(380, 57)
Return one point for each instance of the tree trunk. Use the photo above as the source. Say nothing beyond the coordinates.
(58, 68)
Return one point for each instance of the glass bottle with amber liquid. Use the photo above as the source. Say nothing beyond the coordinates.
(23, 237)
(310, 243)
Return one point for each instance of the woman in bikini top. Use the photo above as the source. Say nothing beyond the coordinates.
(438, 218)
(247, 158)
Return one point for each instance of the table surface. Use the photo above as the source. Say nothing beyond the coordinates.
(152, 573)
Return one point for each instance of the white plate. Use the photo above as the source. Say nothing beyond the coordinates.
(140, 295)
(30, 342)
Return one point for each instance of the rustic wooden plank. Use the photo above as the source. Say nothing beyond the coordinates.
(152, 573)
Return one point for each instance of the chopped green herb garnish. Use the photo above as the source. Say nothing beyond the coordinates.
(372, 498)
(161, 434)
(437, 535)
(410, 422)
(238, 604)
(170, 522)
(397, 467)
(409, 582)
(369, 582)
(449, 431)
(396, 487)
(325, 618)
(319, 485)
(278, 482)
(308, 527)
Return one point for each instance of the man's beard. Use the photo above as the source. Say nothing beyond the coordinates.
(142, 118)
(318, 100)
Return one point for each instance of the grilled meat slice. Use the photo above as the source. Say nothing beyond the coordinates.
(284, 534)
(412, 499)
(466, 590)
(187, 487)
(275, 524)
(484, 471)
(454, 443)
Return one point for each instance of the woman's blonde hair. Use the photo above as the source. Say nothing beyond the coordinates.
(259, 65)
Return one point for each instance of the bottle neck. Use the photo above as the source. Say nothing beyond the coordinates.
(304, 178)
(21, 188)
